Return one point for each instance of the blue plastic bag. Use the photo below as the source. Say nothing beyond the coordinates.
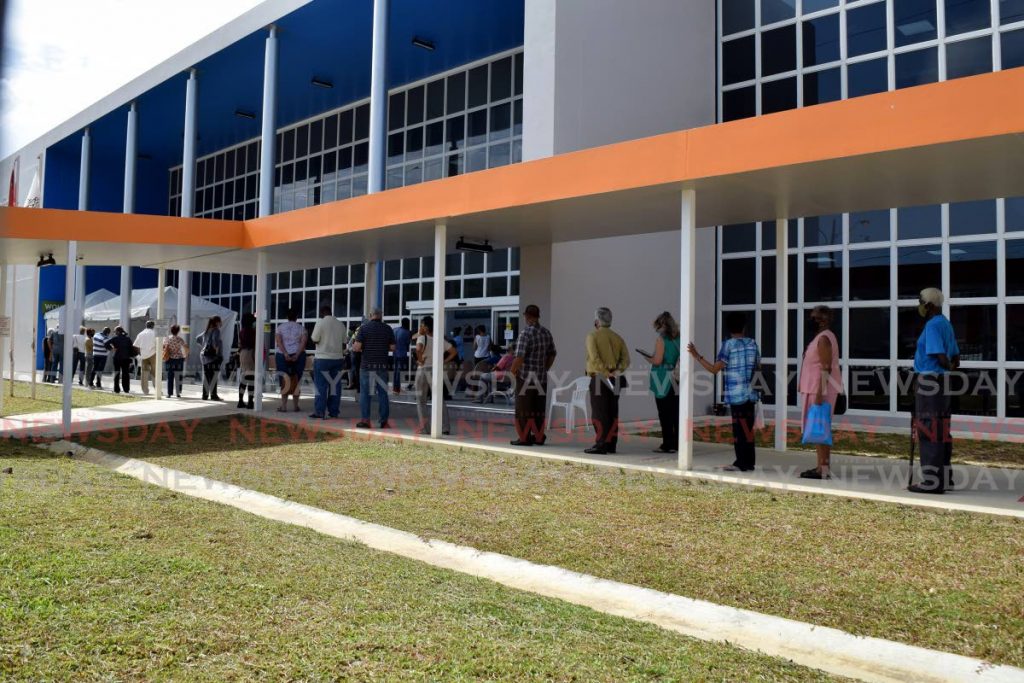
(818, 428)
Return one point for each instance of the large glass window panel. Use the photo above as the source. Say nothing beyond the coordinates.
(976, 334)
(739, 104)
(301, 141)
(392, 270)
(410, 267)
(478, 86)
(739, 237)
(817, 5)
(501, 79)
(473, 288)
(768, 292)
(1013, 49)
(517, 84)
(455, 133)
(476, 159)
(1014, 214)
(517, 117)
(414, 143)
(1014, 267)
(917, 68)
(823, 86)
(432, 169)
(453, 289)
(396, 147)
(497, 261)
(501, 121)
(456, 93)
(497, 286)
(869, 333)
(918, 267)
(968, 57)
(916, 222)
(1011, 11)
(1015, 335)
(414, 105)
(777, 10)
(453, 264)
(355, 302)
(738, 60)
(435, 99)
(316, 136)
(362, 125)
(979, 394)
(869, 388)
(823, 277)
(499, 154)
(768, 234)
(778, 96)
(972, 269)
(869, 226)
(474, 263)
(396, 111)
(392, 299)
(1014, 393)
(967, 15)
(357, 271)
(345, 126)
(737, 15)
(766, 337)
(810, 328)
(823, 230)
(435, 138)
(410, 292)
(909, 325)
(915, 21)
(477, 133)
(778, 50)
(867, 78)
(869, 274)
(331, 131)
(972, 218)
(739, 281)
(821, 40)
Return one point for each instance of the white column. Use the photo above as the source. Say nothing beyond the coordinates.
(161, 313)
(83, 171)
(35, 329)
(130, 157)
(70, 305)
(84, 184)
(378, 96)
(262, 318)
(188, 196)
(687, 322)
(268, 134)
(4, 271)
(437, 352)
(10, 347)
(781, 331)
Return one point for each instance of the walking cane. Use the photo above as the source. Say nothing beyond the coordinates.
(913, 429)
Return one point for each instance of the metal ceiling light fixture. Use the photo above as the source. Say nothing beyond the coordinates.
(48, 261)
(242, 114)
(321, 83)
(427, 45)
(463, 245)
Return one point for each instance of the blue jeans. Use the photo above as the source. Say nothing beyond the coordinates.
(368, 380)
(327, 380)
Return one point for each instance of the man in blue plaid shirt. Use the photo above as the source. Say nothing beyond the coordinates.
(739, 358)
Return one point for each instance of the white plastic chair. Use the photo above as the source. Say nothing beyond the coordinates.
(578, 399)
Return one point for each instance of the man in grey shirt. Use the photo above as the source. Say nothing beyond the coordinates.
(329, 335)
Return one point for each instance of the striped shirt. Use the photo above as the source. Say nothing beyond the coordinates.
(741, 358)
(376, 339)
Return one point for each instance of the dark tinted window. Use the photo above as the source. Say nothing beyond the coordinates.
(869, 388)
(1014, 267)
(738, 281)
(975, 328)
(822, 230)
(777, 10)
(737, 15)
(821, 40)
(1013, 48)
(739, 104)
(969, 57)
(823, 276)
(915, 21)
(967, 15)
(869, 226)
(918, 267)
(869, 333)
(1011, 11)
(917, 68)
(809, 6)
(869, 274)
(501, 79)
(740, 237)
(738, 60)
(867, 78)
(915, 222)
(972, 218)
(1014, 214)
(1015, 337)
(822, 86)
(778, 96)
(865, 29)
(972, 269)
(778, 50)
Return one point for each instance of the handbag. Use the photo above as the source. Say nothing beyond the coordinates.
(841, 404)
(818, 425)
(759, 416)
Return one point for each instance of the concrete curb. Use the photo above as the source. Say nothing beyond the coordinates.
(826, 649)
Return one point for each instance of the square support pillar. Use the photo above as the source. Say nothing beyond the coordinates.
(35, 330)
(437, 351)
(161, 314)
(687, 322)
(70, 317)
(262, 318)
(781, 331)
(5, 269)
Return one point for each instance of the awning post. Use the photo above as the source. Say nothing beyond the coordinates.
(269, 127)
(10, 342)
(70, 315)
(188, 194)
(378, 95)
(35, 330)
(4, 270)
(128, 206)
(687, 322)
(781, 331)
(437, 352)
(262, 318)
(161, 314)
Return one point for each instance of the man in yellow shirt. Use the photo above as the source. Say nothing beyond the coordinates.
(607, 359)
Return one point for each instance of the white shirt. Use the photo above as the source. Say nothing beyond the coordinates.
(329, 335)
(79, 341)
(291, 334)
(146, 341)
(483, 346)
(427, 344)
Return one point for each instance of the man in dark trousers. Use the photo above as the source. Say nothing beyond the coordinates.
(607, 359)
(124, 351)
(374, 341)
(534, 356)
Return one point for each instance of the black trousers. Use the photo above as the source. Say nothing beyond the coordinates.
(932, 418)
(604, 413)
(530, 415)
(99, 363)
(743, 434)
(122, 374)
(78, 365)
(668, 416)
(211, 374)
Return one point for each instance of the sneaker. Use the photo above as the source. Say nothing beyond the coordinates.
(914, 488)
(363, 424)
(314, 416)
(385, 425)
(596, 450)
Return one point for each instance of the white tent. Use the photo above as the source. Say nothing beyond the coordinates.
(143, 308)
(56, 315)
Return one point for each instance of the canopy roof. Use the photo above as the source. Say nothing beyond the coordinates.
(91, 300)
(951, 141)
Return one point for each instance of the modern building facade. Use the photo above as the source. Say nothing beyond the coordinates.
(472, 85)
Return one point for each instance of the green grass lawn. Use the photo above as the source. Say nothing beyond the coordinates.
(103, 577)
(951, 581)
(49, 398)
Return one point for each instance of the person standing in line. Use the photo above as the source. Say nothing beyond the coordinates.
(424, 376)
(48, 355)
(57, 354)
(820, 382)
(739, 358)
(145, 341)
(247, 361)
(78, 356)
(481, 344)
(607, 359)
(212, 356)
(356, 358)
(330, 336)
(666, 395)
(534, 355)
(175, 352)
(99, 357)
(90, 355)
(403, 338)
(124, 351)
(937, 354)
(374, 341)
(290, 340)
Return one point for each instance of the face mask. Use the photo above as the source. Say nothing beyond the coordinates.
(922, 310)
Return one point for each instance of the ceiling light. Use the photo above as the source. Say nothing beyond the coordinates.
(48, 261)
(427, 45)
(321, 83)
(242, 114)
(463, 245)
(914, 28)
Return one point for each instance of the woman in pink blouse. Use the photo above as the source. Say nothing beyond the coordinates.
(820, 380)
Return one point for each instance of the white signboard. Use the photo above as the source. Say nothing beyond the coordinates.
(5, 326)
(162, 327)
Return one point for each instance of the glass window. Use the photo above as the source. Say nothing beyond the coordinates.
(1014, 267)
(456, 132)
(967, 15)
(821, 40)
(474, 263)
(396, 146)
(478, 86)
(355, 302)
(345, 127)
(316, 136)
(777, 10)
(331, 132)
(1013, 48)
(869, 388)
(823, 230)
(473, 288)
(972, 218)
(739, 237)
(766, 338)
(501, 121)
(453, 264)
(739, 281)
(501, 79)
(1014, 393)
(915, 21)
(865, 29)
(456, 93)
(358, 273)
(823, 276)
(1015, 337)
(435, 99)
(410, 267)
(822, 86)
(817, 5)
(326, 276)
(301, 141)
(738, 61)
(918, 267)
(517, 85)
(867, 78)
(477, 133)
(414, 105)
(909, 325)
(392, 270)
(497, 286)
(737, 15)
(778, 50)
(979, 397)
(869, 226)
(1014, 214)
(917, 68)
(396, 111)
(972, 269)
(392, 300)
(1011, 11)
(410, 292)
(497, 261)
(362, 123)
(975, 328)
(811, 328)
(739, 104)
(914, 222)
(869, 274)
(341, 275)
(969, 57)
(768, 279)
(869, 332)
(778, 96)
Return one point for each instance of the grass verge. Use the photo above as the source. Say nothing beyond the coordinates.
(49, 398)
(950, 581)
(105, 578)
